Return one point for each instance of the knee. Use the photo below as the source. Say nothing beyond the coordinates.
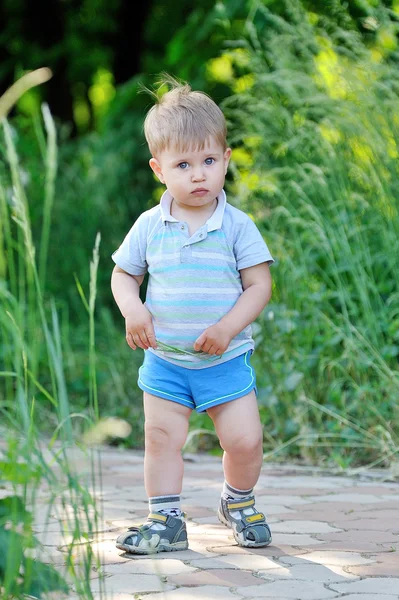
(159, 439)
(245, 445)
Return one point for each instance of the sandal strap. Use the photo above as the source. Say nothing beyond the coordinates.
(146, 527)
(240, 504)
(157, 518)
(250, 521)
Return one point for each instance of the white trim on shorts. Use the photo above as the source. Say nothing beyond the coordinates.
(234, 394)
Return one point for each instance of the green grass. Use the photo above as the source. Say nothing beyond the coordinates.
(320, 179)
(33, 366)
(312, 119)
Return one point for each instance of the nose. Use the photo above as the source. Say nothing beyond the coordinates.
(197, 174)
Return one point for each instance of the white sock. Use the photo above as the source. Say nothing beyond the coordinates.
(235, 493)
(167, 505)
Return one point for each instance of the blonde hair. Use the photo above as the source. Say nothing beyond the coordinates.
(182, 119)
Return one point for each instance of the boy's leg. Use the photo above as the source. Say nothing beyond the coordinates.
(166, 427)
(239, 429)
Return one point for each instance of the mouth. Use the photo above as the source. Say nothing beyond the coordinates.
(200, 192)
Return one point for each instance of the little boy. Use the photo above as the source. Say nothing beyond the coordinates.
(209, 279)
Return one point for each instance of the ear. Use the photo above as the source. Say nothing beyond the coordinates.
(156, 167)
(226, 158)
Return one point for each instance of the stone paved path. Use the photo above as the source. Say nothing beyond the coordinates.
(333, 537)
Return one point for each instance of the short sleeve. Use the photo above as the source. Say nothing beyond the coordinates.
(131, 254)
(250, 248)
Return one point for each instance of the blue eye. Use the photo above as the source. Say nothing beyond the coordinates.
(183, 165)
(209, 161)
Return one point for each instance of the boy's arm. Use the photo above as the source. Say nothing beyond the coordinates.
(257, 286)
(139, 327)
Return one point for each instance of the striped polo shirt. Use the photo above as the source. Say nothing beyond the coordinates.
(193, 280)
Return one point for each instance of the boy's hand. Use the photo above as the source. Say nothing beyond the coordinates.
(139, 329)
(214, 340)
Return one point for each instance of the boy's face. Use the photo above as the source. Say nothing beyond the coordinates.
(194, 178)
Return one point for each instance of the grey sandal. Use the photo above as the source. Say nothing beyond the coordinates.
(250, 531)
(147, 540)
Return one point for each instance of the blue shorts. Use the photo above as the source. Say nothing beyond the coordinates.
(197, 388)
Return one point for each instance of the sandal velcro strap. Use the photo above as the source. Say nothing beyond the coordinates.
(157, 518)
(257, 518)
(143, 530)
(250, 521)
(241, 504)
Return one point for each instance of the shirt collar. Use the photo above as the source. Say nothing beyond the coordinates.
(215, 220)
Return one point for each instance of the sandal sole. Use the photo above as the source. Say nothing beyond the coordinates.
(249, 544)
(172, 548)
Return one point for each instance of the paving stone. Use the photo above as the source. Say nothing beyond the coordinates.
(115, 514)
(295, 539)
(109, 553)
(331, 516)
(225, 577)
(363, 499)
(387, 506)
(207, 521)
(309, 572)
(391, 514)
(377, 490)
(355, 535)
(391, 497)
(285, 500)
(355, 546)
(272, 551)
(120, 525)
(285, 481)
(155, 566)
(386, 565)
(201, 540)
(252, 562)
(303, 527)
(329, 558)
(327, 532)
(131, 584)
(345, 508)
(296, 485)
(274, 509)
(197, 512)
(192, 476)
(302, 492)
(51, 538)
(181, 555)
(381, 524)
(393, 547)
(206, 592)
(110, 596)
(369, 597)
(290, 589)
(375, 585)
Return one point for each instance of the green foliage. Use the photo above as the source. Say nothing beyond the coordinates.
(32, 367)
(20, 575)
(316, 166)
(310, 91)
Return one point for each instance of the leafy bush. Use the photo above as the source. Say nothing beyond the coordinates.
(316, 136)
